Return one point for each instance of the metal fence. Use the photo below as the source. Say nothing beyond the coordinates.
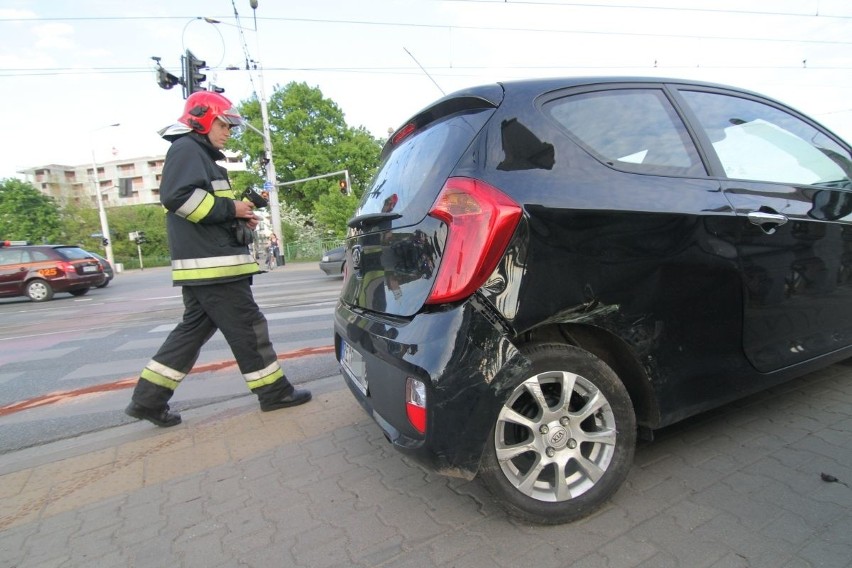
(298, 251)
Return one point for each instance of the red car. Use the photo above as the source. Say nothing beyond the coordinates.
(39, 271)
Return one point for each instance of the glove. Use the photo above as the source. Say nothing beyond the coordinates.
(243, 234)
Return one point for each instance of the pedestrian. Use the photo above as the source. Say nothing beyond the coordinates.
(209, 231)
(272, 252)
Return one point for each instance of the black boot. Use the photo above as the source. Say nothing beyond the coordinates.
(161, 417)
(295, 398)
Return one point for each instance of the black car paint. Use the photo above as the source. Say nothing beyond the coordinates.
(626, 303)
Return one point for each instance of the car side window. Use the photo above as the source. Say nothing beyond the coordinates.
(10, 256)
(759, 142)
(633, 129)
(38, 256)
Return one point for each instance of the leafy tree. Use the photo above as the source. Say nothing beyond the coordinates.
(309, 137)
(26, 214)
(81, 222)
(333, 211)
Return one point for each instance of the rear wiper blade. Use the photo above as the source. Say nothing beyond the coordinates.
(362, 221)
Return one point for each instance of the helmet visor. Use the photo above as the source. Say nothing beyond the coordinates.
(233, 119)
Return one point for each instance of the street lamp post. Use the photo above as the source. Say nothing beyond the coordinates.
(99, 198)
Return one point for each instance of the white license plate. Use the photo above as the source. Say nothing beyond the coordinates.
(353, 364)
(90, 269)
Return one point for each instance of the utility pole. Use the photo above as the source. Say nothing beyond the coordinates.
(271, 185)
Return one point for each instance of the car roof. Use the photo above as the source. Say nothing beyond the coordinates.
(546, 84)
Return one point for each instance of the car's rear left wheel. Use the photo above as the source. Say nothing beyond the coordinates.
(563, 440)
(39, 290)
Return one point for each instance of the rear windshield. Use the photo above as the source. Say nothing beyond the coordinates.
(72, 253)
(410, 177)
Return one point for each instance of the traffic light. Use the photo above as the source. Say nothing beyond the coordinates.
(140, 237)
(192, 75)
(343, 188)
(165, 79)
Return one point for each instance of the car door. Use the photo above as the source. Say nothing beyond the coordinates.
(12, 270)
(789, 183)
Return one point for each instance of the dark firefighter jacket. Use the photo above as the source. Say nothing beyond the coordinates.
(200, 219)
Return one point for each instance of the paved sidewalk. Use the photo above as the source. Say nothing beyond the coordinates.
(319, 486)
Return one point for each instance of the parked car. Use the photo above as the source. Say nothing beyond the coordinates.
(109, 273)
(333, 261)
(542, 270)
(39, 271)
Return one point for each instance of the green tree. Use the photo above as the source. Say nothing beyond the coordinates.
(82, 222)
(309, 137)
(26, 214)
(333, 210)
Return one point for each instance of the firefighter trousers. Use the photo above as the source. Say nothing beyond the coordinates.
(229, 307)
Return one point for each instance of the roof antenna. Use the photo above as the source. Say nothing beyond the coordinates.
(424, 70)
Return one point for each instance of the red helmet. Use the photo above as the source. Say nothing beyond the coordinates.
(203, 107)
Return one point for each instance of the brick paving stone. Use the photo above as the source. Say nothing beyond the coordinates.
(311, 548)
(687, 546)
(12, 544)
(202, 550)
(660, 560)
(625, 552)
(290, 519)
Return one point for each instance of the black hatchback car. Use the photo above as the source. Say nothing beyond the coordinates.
(543, 270)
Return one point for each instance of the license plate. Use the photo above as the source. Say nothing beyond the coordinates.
(353, 363)
(90, 269)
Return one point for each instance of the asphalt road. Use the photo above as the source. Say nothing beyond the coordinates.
(67, 365)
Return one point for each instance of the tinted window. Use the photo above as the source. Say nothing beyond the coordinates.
(635, 129)
(756, 141)
(72, 253)
(411, 176)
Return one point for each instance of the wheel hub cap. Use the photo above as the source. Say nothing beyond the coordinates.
(557, 437)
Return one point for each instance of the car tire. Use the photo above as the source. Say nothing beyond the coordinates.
(590, 437)
(79, 292)
(39, 290)
(104, 285)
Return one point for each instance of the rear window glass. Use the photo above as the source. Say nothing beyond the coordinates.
(632, 129)
(72, 253)
(410, 177)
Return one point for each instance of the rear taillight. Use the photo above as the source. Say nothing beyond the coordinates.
(415, 403)
(481, 220)
(67, 267)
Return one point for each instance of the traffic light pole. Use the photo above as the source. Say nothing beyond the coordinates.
(332, 174)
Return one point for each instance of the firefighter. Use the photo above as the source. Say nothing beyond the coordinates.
(209, 230)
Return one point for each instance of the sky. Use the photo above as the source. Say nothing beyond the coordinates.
(69, 71)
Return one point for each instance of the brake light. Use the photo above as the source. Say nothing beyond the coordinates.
(481, 220)
(415, 403)
(404, 133)
(67, 267)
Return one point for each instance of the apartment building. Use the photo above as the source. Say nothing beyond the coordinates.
(133, 181)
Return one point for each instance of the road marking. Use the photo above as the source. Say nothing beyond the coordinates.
(60, 396)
